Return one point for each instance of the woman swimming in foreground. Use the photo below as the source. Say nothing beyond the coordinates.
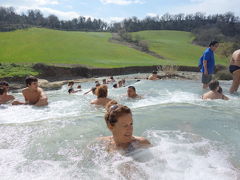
(119, 121)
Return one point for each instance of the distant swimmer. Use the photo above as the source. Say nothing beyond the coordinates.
(104, 81)
(33, 94)
(101, 93)
(131, 92)
(120, 83)
(234, 68)
(4, 97)
(207, 63)
(153, 76)
(71, 90)
(119, 121)
(111, 80)
(93, 90)
(215, 92)
(123, 82)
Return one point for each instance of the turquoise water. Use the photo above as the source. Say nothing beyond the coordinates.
(192, 139)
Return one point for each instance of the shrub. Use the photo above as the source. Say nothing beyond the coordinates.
(223, 75)
(170, 70)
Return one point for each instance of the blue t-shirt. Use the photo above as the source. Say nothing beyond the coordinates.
(208, 55)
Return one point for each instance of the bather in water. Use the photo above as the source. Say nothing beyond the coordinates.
(119, 121)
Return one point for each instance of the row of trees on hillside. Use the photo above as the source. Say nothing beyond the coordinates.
(10, 20)
(218, 26)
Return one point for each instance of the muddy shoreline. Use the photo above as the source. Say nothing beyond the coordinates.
(54, 77)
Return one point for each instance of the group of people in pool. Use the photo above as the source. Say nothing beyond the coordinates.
(207, 67)
(32, 94)
(118, 117)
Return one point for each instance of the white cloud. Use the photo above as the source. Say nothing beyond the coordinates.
(152, 14)
(113, 19)
(46, 2)
(209, 7)
(122, 2)
(62, 15)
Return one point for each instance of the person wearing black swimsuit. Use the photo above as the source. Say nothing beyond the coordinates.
(234, 68)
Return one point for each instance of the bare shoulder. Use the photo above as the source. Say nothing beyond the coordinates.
(94, 101)
(142, 140)
(24, 90)
(40, 89)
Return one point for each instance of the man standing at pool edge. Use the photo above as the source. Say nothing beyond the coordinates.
(207, 63)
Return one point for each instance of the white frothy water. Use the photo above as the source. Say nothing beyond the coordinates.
(192, 139)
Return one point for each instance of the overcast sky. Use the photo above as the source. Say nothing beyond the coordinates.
(116, 10)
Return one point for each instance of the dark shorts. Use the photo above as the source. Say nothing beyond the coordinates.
(233, 68)
(206, 78)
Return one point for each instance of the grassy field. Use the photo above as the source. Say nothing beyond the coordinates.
(93, 49)
(16, 70)
(176, 46)
(86, 48)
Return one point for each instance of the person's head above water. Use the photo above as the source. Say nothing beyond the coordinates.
(102, 91)
(220, 90)
(4, 84)
(70, 90)
(154, 72)
(119, 121)
(71, 83)
(93, 90)
(115, 85)
(2, 90)
(214, 85)
(120, 83)
(131, 92)
(31, 81)
(214, 45)
(104, 81)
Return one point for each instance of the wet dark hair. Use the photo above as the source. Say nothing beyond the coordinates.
(115, 85)
(30, 79)
(98, 84)
(102, 91)
(114, 112)
(154, 72)
(213, 85)
(2, 90)
(220, 90)
(4, 83)
(212, 43)
(132, 87)
(93, 90)
(70, 90)
(70, 83)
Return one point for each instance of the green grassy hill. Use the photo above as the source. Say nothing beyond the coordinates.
(52, 46)
(39, 45)
(176, 46)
